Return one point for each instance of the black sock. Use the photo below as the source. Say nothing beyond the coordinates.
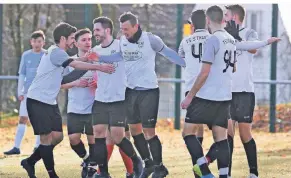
(101, 154)
(46, 152)
(156, 150)
(126, 146)
(143, 149)
(230, 143)
(34, 157)
(196, 152)
(212, 153)
(91, 151)
(223, 158)
(79, 149)
(200, 139)
(251, 152)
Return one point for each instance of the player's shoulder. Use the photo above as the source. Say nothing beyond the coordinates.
(213, 38)
(150, 35)
(116, 41)
(27, 52)
(96, 48)
(43, 51)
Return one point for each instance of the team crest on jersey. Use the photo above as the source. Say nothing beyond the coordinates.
(140, 44)
(131, 55)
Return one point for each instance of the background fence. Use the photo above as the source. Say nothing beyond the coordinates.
(10, 104)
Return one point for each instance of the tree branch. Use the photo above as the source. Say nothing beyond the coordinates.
(48, 19)
(36, 9)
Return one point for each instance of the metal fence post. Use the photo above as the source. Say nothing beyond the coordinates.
(179, 23)
(273, 70)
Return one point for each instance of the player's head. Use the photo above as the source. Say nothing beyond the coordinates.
(37, 40)
(235, 12)
(128, 24)
(103, 27)
(198, 19)
(64, 35)
(83, 39)
(214, 16)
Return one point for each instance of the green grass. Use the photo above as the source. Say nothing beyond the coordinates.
(274, 156)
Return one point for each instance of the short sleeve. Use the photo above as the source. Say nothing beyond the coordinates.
(210, 49)
(156, 42)
(59, 57)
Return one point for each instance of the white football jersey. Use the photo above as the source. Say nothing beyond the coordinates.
(191, 49)
(111, 87)
(80, 100)
(220, 52)
(139, 62)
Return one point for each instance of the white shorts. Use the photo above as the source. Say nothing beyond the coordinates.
(23, 108)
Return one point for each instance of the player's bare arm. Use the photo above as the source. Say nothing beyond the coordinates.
(197, 85)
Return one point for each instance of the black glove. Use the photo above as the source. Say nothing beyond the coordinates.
(233, 30)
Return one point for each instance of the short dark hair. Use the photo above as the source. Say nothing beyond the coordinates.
(82, 32)
(63, 29)
(238, 10)
(215, 14)
(128, 16)
(37, 34)
(105, 22)
(198, 19)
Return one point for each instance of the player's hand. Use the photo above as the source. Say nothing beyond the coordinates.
(107, 68)
(92, 56)
(92, 84)
(82, 83)
(21, 98)
(233, 29)
(186, 102)
(273, 40)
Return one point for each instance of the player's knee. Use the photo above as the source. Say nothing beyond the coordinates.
(245, 136)
(90, 139)
(109, 140)
(23, 120)
(200, 131)
(58, 138)
(135, 129)
(117, 134)
(100, 131)
(74, 140)
(46, 139)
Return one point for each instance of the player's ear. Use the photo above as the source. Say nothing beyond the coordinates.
(193, 27)
(76, 44)
(136, 26)
(30, 41)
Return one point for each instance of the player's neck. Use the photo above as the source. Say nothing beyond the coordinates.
(107, 41)
(62, 46)
(215, 27)
(81, 53)
(36, 50)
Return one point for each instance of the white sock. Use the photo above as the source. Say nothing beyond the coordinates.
(223, 171)
(37, 141)
(19, 134)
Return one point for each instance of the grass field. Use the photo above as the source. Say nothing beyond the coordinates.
(274, 153)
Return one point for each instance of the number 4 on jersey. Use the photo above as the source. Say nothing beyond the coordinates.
(199, 55)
